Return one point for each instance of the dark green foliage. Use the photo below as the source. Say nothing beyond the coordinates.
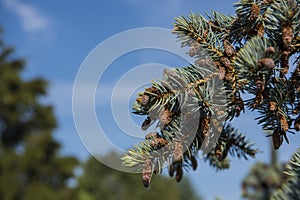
(37, 172)
(262, 181)
(21, 111)
(101, 182)
(247, 53)
(30, 165)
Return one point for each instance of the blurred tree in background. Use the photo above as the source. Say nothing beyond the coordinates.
(101, 182)
(273, 181)
(30, 166)
(263, 179)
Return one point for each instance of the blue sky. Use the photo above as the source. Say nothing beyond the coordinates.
(56, 36)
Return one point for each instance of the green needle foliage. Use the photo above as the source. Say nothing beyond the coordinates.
(30, 165)
(249, 53)
(290, 189)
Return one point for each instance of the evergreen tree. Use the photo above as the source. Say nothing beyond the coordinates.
(263, 179)
(273, 181)
(247, 53)
(100, 182)
(30, 167)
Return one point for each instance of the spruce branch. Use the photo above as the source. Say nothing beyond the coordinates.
(257, 57)
(235, 143)
(282, 15)
(214, 162)
(191, 106)
(181, 96)
(220, 22)
(197, 28)
(249, 21)
(290, 189)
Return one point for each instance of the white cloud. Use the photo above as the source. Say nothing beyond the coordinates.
(31, 18)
